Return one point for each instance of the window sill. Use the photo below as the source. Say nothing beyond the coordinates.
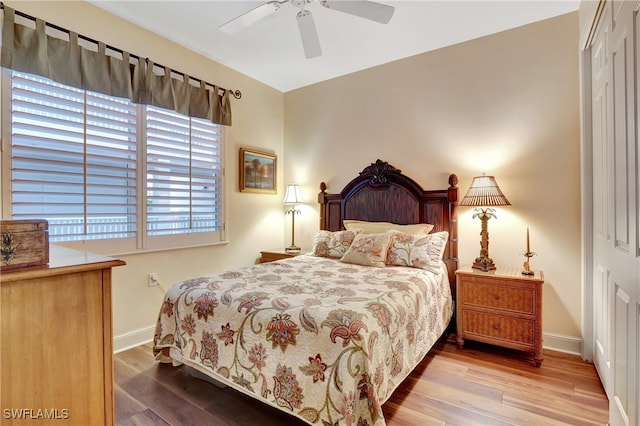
(99, 247)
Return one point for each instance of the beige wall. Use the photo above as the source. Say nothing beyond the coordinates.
(506, 104)
(256, 220)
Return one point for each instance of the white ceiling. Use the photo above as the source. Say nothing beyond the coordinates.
(270, 50)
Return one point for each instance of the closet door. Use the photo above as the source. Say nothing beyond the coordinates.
(623, 249)
(616, 222)
(601, 135)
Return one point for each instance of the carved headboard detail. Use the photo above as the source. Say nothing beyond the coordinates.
(382, 193)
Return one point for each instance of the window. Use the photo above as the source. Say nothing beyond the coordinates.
(75, 160)
(183, 174)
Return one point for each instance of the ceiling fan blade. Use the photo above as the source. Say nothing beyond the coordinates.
(250, 17)
(309, 34)
(365, 9)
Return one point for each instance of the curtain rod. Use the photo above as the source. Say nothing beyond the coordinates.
(235, 93)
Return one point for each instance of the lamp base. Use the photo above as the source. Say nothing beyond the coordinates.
(292, 249)
(485, 264)
(483, 261)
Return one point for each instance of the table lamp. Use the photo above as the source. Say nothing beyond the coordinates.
(292, 198)
(484, 193)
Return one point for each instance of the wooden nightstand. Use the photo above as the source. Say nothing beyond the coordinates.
(501, 307)
(277, 254)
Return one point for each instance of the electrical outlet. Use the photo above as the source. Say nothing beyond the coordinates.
(153, 279)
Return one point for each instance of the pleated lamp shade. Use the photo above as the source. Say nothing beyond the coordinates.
(484, 191)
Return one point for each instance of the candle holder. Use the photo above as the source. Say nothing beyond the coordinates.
(526, 268)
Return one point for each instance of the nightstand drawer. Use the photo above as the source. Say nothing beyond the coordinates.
(515, 330)
(504, 297)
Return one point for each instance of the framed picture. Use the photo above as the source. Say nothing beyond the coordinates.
(257, 171)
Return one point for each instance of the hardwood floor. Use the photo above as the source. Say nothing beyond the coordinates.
(476, 385)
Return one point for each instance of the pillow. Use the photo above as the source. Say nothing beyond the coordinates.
(368, 249)
(418, 251)
(379, 227)
(333, 244)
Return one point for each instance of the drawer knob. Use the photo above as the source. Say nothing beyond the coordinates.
(496, 297)
(496, 327)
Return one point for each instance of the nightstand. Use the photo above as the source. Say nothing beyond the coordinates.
(501, 307)
(277, 254)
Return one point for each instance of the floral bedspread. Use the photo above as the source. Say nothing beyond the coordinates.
(323, 340)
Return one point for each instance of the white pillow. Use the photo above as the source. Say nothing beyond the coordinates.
(380, 227)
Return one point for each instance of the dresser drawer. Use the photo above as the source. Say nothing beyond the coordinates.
(515, 330)
(498, 296)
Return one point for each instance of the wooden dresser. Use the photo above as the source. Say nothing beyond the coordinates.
(56, 350)
(501, 307)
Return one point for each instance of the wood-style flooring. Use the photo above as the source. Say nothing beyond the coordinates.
(476, 385)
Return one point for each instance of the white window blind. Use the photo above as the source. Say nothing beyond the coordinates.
(77, 159)
(183, 174)
(73, 159)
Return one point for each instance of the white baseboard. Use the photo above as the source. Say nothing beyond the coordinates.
(562, 343)
(133, 338)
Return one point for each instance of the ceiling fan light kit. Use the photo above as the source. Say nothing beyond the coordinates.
(372, 11)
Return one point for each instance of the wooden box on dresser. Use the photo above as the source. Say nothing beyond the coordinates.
(56, 350)
(501, 307)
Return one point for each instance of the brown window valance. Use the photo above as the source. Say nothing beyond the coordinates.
(116, 72)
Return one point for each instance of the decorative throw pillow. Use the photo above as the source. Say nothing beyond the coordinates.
(418, 251)
(368, 249)
(333, 244)
(380, 227)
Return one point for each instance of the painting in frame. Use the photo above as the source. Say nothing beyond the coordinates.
(257, 171)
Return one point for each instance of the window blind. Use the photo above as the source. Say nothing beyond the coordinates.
(73, 159)
(88, 162)
(184, 169)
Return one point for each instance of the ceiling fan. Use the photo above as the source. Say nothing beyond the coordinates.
(373, 11)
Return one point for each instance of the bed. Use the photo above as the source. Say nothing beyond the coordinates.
(328, 336)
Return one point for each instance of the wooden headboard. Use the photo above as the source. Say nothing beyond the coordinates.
(382, 193)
